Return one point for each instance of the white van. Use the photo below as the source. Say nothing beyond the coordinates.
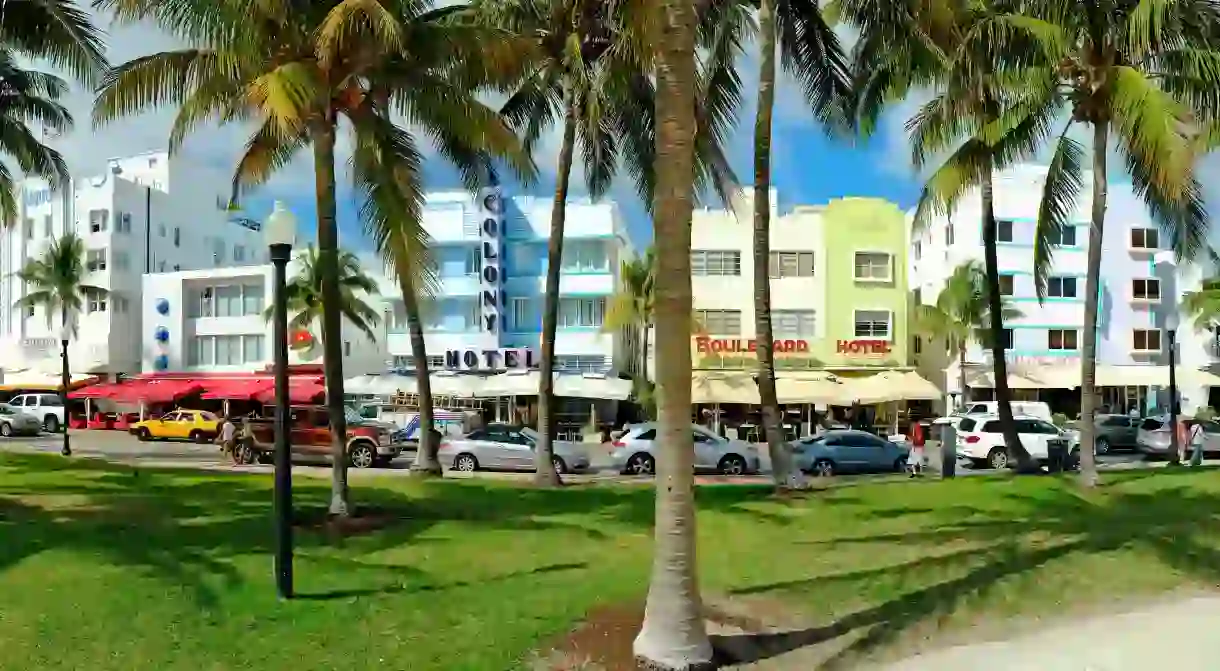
(1037, 409)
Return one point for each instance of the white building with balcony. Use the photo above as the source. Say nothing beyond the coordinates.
(213, 321)
(148, 213)
(1137, 296)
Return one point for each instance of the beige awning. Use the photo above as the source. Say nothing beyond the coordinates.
(1043, 377)
(728, 387)
(818, 387)
(891, 386)
(1152, 376)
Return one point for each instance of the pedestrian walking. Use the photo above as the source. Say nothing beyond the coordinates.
(916, 455)
(228, 439)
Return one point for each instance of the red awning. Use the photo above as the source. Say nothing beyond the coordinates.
(156, 390)
(300, 390)
(100, 390)
(235, 388)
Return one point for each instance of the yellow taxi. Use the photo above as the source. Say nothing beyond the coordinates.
(200, 426)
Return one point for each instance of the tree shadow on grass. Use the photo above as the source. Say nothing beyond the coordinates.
(410, 586)
(1178, 525)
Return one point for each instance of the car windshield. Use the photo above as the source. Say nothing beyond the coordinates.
(6, 409)
(529, 433)
(352, 416)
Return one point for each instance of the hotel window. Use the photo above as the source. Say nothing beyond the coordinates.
(97, 220)
(583, 256)
(396, 318)
(122, 223)
(1006, 335)
(1007, 287)
(95, 301)
(1061, 287)
(1066, 237)
(792, 323)
(791, 264)
(473, 261)
(95, 260)
(580, 363)
(916, 249)
(472, 312)
(29, 310)
(228, 350)
(205, 306)
(949, 234)
(202, 351)
(48, 226)
(118, 304)
(872, 323)
(873, 266)
(719, 322)
(1146, 289)
(524, 259)
(121, 261)
(1146, 340)
(177, 236)
(239, 254)
(1003, 231)
(524, 319)
(252, 299)
(251, 348)
(582, 312)
(917, 345)
(1062, 339)
(29, 229)
(1145, 238)
(228, 301)
(715, 263)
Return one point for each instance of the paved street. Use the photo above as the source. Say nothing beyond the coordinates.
(118, 446)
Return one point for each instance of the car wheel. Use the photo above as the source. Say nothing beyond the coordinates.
(732, 464)
(465, 463)
(1101, 446)
(51, 424)
(6, 429)
(362, 455)
(997, 458)
(144, 434)
(824, 468)
(641, 464)
(246, 455)
(197, 436)
(900, 465)
(560, 467)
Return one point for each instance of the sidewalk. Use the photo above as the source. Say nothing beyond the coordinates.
(1178, 636)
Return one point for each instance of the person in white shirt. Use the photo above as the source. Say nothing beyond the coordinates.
(228, 438)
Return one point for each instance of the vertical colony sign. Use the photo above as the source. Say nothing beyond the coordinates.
(490, 275)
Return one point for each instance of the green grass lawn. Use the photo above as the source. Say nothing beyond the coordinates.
(102, 569)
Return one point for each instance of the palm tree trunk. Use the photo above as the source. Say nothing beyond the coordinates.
(673, 635)
(644, 352)
(426, 461)
(961, 371)
(1092, 291)
(332, 335)
(544, 468)
(995, 309)
(780, 459)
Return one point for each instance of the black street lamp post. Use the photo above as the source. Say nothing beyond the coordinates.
(65, 380)
(280, 230)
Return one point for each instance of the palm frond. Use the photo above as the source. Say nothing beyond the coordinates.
(1060, 192)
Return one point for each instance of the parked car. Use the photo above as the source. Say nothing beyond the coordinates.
(14, 422)
(1038, 409)
(848, 451)
(1153, 437)
(509, 448)
(310, 435)
(979, 440)
(199, 426)
(1113, 432)
(635, 452)
(48, 408)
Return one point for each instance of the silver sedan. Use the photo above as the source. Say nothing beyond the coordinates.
(14, 422)
(635, 452)
(508, 448)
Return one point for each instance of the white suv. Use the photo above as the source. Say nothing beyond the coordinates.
(979, 439)
(48, 408)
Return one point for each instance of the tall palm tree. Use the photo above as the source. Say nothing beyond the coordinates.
(673, 635)
(632, 305)
(1145, 79)
(961, 314)
(302, 70)
(304, 294)
(590, 70)
(56, 282)
(811, 53)
(981, 120)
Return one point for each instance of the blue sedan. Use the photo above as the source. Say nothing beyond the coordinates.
(848, 451)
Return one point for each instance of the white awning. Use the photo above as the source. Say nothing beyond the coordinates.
(889, 386)
(1153, 376)
(727, 387)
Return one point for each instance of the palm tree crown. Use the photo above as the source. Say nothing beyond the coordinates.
(631, 306)
(304, 293)
(960, 313)
(56, 282)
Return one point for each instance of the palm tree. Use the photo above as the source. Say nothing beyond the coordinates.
(811, 53)
(592, 70)
(301, 70)
(304, 294)
(961, 314)
(56, 282)
(1149, 80)
(631, 306)
(673, 635)
(985, 120)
